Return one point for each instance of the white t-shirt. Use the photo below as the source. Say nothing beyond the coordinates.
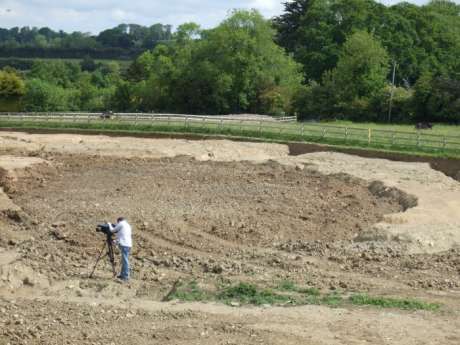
(123, 231)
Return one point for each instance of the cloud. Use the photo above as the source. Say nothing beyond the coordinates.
(96, 15)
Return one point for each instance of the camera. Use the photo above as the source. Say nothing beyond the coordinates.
(104, 228)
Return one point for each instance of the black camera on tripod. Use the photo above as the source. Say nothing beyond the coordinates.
(108, 243)
(104, 228)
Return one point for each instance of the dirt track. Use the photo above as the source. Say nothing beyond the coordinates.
(217, 211)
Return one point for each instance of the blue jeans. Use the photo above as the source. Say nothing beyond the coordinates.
(124, 262)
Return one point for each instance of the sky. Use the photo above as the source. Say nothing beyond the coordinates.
(96, 15)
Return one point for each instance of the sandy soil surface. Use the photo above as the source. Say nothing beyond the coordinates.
(432, 226)
(83, 321)
(220, 212)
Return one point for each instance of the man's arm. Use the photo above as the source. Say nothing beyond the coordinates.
(115, 229)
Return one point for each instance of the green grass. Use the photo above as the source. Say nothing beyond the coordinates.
(250, 294)
(267, 132)
(333, 300)
(189, 292)
(287, 285)
(385, 302)
(438, 129)
(287, 293)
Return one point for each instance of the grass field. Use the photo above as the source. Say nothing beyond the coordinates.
(439, 129)
(341, 136)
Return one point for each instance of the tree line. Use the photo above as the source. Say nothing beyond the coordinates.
(121, 42)
(320, 59)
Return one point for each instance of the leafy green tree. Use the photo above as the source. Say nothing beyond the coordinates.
(362, 67)
(314, 30)
(418, 38)
(236, 67)
(317, 101)
(437, 99)
(61, 73)
(11, 85)
(12, 89)
(43, 96)
(352, 88)
(88, 64)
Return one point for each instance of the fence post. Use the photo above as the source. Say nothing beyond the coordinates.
(302, 130)
(346, 134)
(260, 127)
(221, 124)
(369, 136)
(444, 143)
(418, 139)
(169, 121)
(392, 138)
(324, 132)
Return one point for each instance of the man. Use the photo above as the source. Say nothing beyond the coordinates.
(123, 232)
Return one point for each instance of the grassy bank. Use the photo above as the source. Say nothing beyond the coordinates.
(267, 131)
(288, 294)
(438, 129)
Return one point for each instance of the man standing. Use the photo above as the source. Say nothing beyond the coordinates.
(123, 232)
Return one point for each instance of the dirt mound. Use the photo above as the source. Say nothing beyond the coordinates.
(406, 201)
(212, 220)
(201, 206)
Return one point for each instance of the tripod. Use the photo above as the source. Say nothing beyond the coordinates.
(109, 244)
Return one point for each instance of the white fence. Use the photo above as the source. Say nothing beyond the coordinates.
(265, 126)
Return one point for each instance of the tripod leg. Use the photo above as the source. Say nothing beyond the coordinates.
(111, 258)
(98, 259)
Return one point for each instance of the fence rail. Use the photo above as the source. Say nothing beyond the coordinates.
(418, 140)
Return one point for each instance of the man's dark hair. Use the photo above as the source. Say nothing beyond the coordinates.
(120, 219)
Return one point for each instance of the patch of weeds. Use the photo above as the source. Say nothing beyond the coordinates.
(311, 291)
(290, 286)
(384, 302)
(245, 294)
(249, 294)
(287, 285)
(333, 299)
(189, 292)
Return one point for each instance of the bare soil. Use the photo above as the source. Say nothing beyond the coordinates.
(219, 213)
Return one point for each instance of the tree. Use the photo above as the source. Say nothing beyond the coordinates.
(11, 85)
(437, 99)
(419, 38)
(360, 75)
(362, 67)
(12, 89)
(43, 96)
(314, 30)
(235, 67)
(88, 64)
(352, 88)
(243, 48)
